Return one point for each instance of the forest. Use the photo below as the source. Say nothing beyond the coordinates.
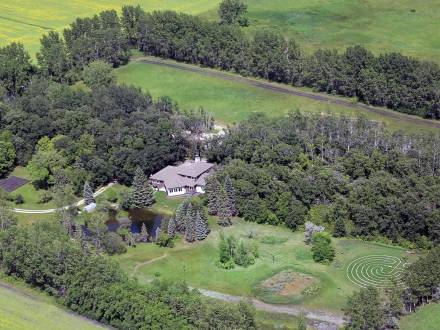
(347, 173)
(390, 79)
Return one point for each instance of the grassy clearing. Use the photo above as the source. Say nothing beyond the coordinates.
(381, 25)
(426, 318)
(234, 101)
(196, 264)
(26, 309)
(30, 195)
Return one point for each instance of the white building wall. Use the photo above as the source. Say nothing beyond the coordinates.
(200, 190)
(176, 191)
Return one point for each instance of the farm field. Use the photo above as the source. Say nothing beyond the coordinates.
(380, 25)
(426, 318)
(23, 310)
(232, 101)
(280, 250)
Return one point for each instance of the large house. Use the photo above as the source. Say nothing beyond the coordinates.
(185, 179)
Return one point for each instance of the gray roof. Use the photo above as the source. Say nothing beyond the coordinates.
(202, 180)
(176, 176)
(194, 169)
(164, 173)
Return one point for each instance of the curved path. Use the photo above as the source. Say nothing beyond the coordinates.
(47, 211)
(287, 89)
(311, 314)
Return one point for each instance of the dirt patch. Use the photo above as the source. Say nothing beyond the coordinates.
(289, 283)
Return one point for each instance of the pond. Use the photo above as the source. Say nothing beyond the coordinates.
(136, 218)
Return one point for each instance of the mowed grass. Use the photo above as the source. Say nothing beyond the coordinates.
(407, 26)
(426, 318)
(196, 264)
(23, 310)
(232, 101)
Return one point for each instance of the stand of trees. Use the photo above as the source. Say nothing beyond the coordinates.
(371, 308)
(45, 256)
(351, 175)
(392, 80)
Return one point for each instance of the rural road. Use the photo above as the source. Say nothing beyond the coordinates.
(47, 211)
(287, 89)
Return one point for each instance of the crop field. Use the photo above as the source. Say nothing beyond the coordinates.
(406, 26)
(280, 251)
(232, 100)
(22, 310)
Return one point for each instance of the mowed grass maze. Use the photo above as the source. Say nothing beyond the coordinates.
(284, 272)
(391, 25)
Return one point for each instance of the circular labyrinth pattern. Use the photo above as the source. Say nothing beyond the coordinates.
(375, 270)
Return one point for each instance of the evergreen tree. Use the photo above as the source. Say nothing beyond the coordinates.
(7, 218)
(190, 228)
(181, 213)
(231, 200)
(223, 211)
(201, 227)
(339, 216)
(302, 322)
(142, 195)
(88, 194)
(171, 231)
(212, 190)
(144, 233)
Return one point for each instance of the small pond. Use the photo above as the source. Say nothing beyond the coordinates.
(151, 219)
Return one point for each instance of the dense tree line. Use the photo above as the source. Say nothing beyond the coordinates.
(351, 175)
(401, 83)
(44, 256)
(83, 134)
(392, 80)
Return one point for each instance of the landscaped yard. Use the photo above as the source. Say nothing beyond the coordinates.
(196, 264)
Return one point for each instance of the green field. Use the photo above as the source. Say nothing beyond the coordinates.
(196, 264)
(426, 318)
(28, 310)
(233, 101)
(407, 26)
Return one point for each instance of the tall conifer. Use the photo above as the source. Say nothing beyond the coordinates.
(142, 195)
(88, 194)
(201, 227)
(212, 191)
(231, 200)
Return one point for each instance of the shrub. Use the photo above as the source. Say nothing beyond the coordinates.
(111, 196)
(229, 264)
(45, 197)
(113, 244)
(19, 199)
(322, 250)
(165, 240)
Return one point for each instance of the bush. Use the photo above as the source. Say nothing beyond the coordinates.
(113, 244)
(165, 240)
(19, 199)
(111, 196)
(226, 265)
(45, 197)
(322, 250)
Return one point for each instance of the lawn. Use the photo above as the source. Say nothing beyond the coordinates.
(31, 196)
(426, 318)
(406, 26)
(196, 264)
(233, 101)
(29, 310)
